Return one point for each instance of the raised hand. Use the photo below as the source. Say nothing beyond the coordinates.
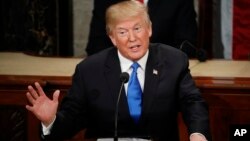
(41, 106)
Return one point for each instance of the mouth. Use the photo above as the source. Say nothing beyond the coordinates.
(135, 47)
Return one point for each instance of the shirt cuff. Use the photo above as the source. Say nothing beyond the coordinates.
(46, 130)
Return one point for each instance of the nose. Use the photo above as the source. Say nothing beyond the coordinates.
(131, 36)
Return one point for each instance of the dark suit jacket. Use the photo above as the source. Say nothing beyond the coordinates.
(173, 21)
(92, 99)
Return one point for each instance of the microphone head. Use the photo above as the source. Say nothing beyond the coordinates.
(193, 51)
(124, 77)
(201, 55)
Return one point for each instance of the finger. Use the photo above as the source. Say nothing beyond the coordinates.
(29, 108)
(39, 89)
(30, 98)
(33, 92)
(56, 95)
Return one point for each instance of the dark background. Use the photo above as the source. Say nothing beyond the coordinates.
(40, 27)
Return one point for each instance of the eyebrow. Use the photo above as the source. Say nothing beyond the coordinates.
(122, 28)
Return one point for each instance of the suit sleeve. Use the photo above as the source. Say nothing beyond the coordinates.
(193, 107)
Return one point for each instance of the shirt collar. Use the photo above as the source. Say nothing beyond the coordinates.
(126, 63)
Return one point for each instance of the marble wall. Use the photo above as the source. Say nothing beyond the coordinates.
(82, 12)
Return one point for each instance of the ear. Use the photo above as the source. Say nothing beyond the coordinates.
(150, 31)
(112, 38)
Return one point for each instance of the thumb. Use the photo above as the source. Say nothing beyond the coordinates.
(29, 108)
(56, 95)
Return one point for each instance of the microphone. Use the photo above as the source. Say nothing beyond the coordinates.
(200, 53)
(124, 77)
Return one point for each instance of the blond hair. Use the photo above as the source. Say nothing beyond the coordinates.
(125, 9)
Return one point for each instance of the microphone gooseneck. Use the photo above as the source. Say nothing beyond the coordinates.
(124, 77)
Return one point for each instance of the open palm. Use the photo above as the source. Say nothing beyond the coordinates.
(41, 106)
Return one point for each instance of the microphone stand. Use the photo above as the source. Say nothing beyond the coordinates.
(116, 112)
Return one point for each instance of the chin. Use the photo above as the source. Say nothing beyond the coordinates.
(136, 57)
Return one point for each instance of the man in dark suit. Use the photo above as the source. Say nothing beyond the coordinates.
(174, 21)
(167, 88)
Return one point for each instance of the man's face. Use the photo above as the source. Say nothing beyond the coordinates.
(131, 37)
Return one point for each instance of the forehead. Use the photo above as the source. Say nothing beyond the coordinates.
(129, 22)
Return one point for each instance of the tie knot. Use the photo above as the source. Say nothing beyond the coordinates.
(135, 66)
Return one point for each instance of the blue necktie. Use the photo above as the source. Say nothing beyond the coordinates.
(134, 94)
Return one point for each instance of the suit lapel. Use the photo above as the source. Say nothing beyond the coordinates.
(112, 75)
(152, 75)
(112, 71)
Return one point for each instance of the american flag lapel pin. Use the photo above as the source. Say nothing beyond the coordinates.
(155, 72)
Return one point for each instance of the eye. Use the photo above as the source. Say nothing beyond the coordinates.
(122, 33)
(137, 29)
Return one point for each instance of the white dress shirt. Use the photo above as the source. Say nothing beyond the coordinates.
(126, 67)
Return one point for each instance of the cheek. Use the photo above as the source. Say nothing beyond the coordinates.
(144, 39)
(121, 42)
